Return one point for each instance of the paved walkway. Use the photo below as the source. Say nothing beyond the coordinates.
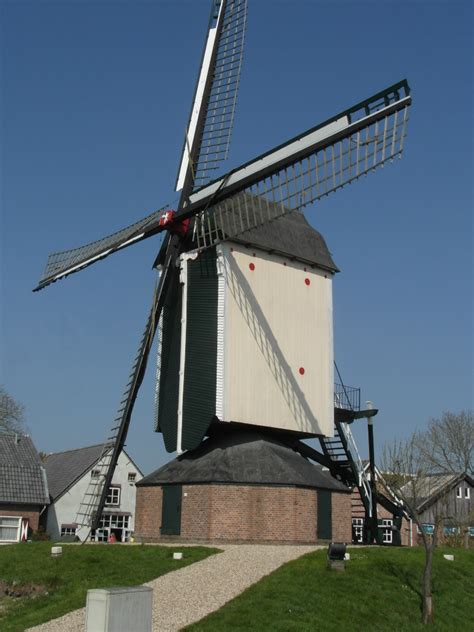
(189, 594)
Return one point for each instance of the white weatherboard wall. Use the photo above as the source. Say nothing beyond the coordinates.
(275, 342)
(64, 509)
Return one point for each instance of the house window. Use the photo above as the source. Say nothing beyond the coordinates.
(114, 521)
(459, 492)
(358, 529)
(132, 477)
(113, 497)
(427, 528)
(467, 493)
(10, 528)
(451, 530)
(387, 534)
(68, 529)
(95, 473)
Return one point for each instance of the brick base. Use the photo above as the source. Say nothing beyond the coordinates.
(28, 512)
(243, 513)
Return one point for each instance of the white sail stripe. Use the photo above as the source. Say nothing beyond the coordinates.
(191, 131)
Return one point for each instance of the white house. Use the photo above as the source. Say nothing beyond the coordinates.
(68, 475)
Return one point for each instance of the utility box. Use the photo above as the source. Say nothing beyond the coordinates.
(119, 609)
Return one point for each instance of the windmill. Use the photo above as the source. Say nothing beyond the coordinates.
(205, 258)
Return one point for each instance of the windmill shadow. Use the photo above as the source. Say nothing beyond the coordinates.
(268, 344)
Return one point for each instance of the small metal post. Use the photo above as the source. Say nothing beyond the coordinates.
(373, 518)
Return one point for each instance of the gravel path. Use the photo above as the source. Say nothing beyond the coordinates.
(189, 594)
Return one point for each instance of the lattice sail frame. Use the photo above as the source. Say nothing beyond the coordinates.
(222, 58)
(317, 163)
(60, 264)
(287, 178)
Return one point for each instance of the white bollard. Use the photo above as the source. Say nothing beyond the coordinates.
(177, 556)
(56, 551)
(450, 558)
(119, 609)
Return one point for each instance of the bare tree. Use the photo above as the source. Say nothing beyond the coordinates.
(449, 443)
(12, 413)
(445, 447)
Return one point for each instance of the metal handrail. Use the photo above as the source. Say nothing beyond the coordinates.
(362, 475)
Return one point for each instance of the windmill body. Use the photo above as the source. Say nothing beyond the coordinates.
(243, 304)
(247, 337)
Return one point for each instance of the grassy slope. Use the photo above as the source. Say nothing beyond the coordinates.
(379, 591)
(80, 568)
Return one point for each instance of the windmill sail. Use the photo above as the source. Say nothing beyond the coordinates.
(209, 129)
(92, 505)
(306, 168)
(61, 264)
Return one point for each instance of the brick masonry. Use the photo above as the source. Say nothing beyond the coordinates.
(341, 518)
(148, 512)
(29, 512)
(244, 513)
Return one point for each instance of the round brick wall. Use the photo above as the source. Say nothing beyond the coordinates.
(243, 513)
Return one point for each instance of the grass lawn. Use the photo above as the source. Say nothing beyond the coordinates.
(378, 592)
(68, 578)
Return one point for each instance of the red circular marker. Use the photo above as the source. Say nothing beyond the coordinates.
(252, 266)
(301, 370)
(307, 281)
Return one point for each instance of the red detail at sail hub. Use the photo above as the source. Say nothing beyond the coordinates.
(176, 228)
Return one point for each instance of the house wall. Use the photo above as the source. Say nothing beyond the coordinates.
(29, 512)
(277, 316)
(452, 506)
(244, 513)
(65, 508)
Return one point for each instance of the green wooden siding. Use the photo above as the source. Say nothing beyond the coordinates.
(171, 510)
(169, 373)
(199, 401)
(324, 530)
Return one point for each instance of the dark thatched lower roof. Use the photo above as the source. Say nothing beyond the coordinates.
(243, 456)
(293, 237)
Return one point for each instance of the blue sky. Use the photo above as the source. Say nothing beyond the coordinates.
(95, 99)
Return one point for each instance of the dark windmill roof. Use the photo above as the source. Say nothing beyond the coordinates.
(63, 469)
(22, 477)
(291, 236)
(245, 457)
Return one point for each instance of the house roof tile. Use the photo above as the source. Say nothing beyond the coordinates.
(63, 469)
(22, 476)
